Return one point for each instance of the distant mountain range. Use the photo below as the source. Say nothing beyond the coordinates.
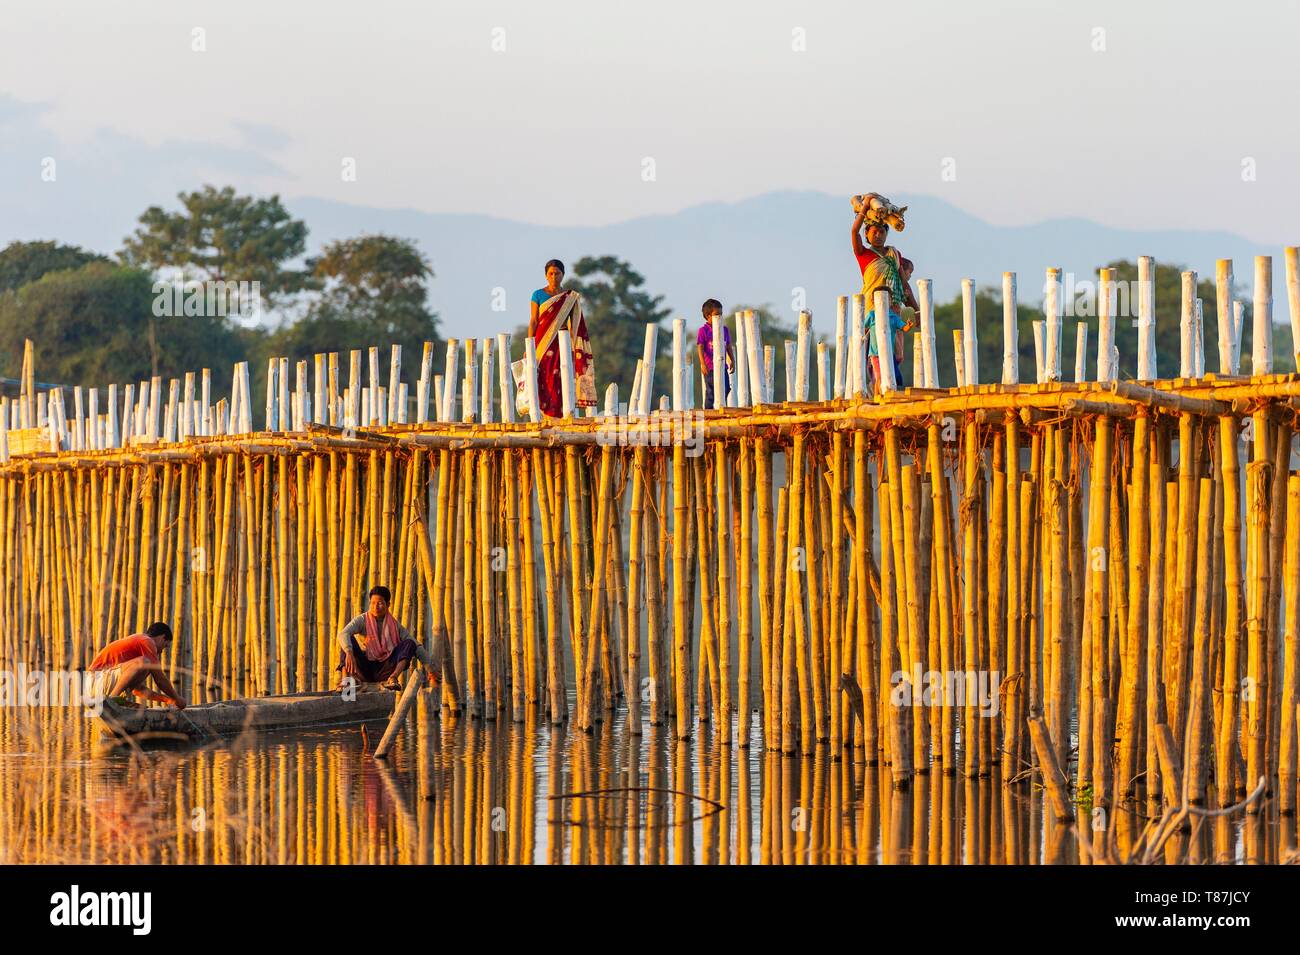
(760, 251)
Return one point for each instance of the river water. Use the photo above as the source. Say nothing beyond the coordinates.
(465, 791)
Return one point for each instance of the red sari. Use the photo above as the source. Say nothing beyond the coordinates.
(562, 311)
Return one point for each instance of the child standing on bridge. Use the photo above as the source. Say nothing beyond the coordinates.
(704, 346)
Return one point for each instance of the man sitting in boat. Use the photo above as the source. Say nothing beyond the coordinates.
(375, 646)
(124, 666)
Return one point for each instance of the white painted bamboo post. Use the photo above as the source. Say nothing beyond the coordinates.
(235, 402)
(173, 411)
(1262, 329)
(422, 386)
(77, 436)
(1198, 340)
(394, 380)
(139, 421)
(854, 379)
(636, 387)
(1238, 323)
(112, 417)
(969, 332)
(449, 379)
(959, 357)
(769, 373)
(485, 380)
(747, 357)
(371, 412)
(92, 420)
(1081, 353)
(335, 416)
(320, 405)
(284, 403)
(1186, 333)
(1105, 326)
(1147, 363)
(505, 380)
(302, 387)
(1052, 327)
(128, 413)
(353, 417)
(403, 394)
(679, 364)
(719, 361)
(155, 405)
(791, 371)
(567, 402)
(530, 379)
(52, 418)
(186, 429)
(272, 366)
(823, 371)
(739, 395)
(1223, 314)
(918, 361)
(1010, 331)
(884, 342)
(469, 387)
(841, 326)
(1293, 298)
(648, 352)
(929, 351)
(1040, 333)
(245, 400)
(690, 380)
(803, 355)
(200, 411)
(754, 352)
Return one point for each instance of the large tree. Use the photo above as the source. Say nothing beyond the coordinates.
(96, 326)
(24, 262)
(374, 291)
(225, 237)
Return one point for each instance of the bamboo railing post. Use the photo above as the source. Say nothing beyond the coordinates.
(1291, 579)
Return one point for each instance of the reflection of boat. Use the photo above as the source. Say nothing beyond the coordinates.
(231, 717)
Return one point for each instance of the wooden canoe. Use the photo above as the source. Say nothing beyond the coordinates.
(255, 714)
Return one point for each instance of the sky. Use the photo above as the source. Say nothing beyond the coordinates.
(1151, 115)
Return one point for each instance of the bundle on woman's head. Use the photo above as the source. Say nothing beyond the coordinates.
(875, 209)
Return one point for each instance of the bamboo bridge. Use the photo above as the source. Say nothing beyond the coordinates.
(1119, 561)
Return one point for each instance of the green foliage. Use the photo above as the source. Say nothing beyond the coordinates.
(374, 293)
(24, 262)
(95, 326)
(617, 311)
(225, 237)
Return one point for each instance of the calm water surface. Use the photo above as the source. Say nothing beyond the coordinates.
(462, 791)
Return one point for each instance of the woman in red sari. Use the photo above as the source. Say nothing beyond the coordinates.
(553, 310)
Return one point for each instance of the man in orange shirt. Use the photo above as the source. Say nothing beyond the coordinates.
(126, 664)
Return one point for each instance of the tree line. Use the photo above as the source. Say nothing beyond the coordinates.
(98, 319)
